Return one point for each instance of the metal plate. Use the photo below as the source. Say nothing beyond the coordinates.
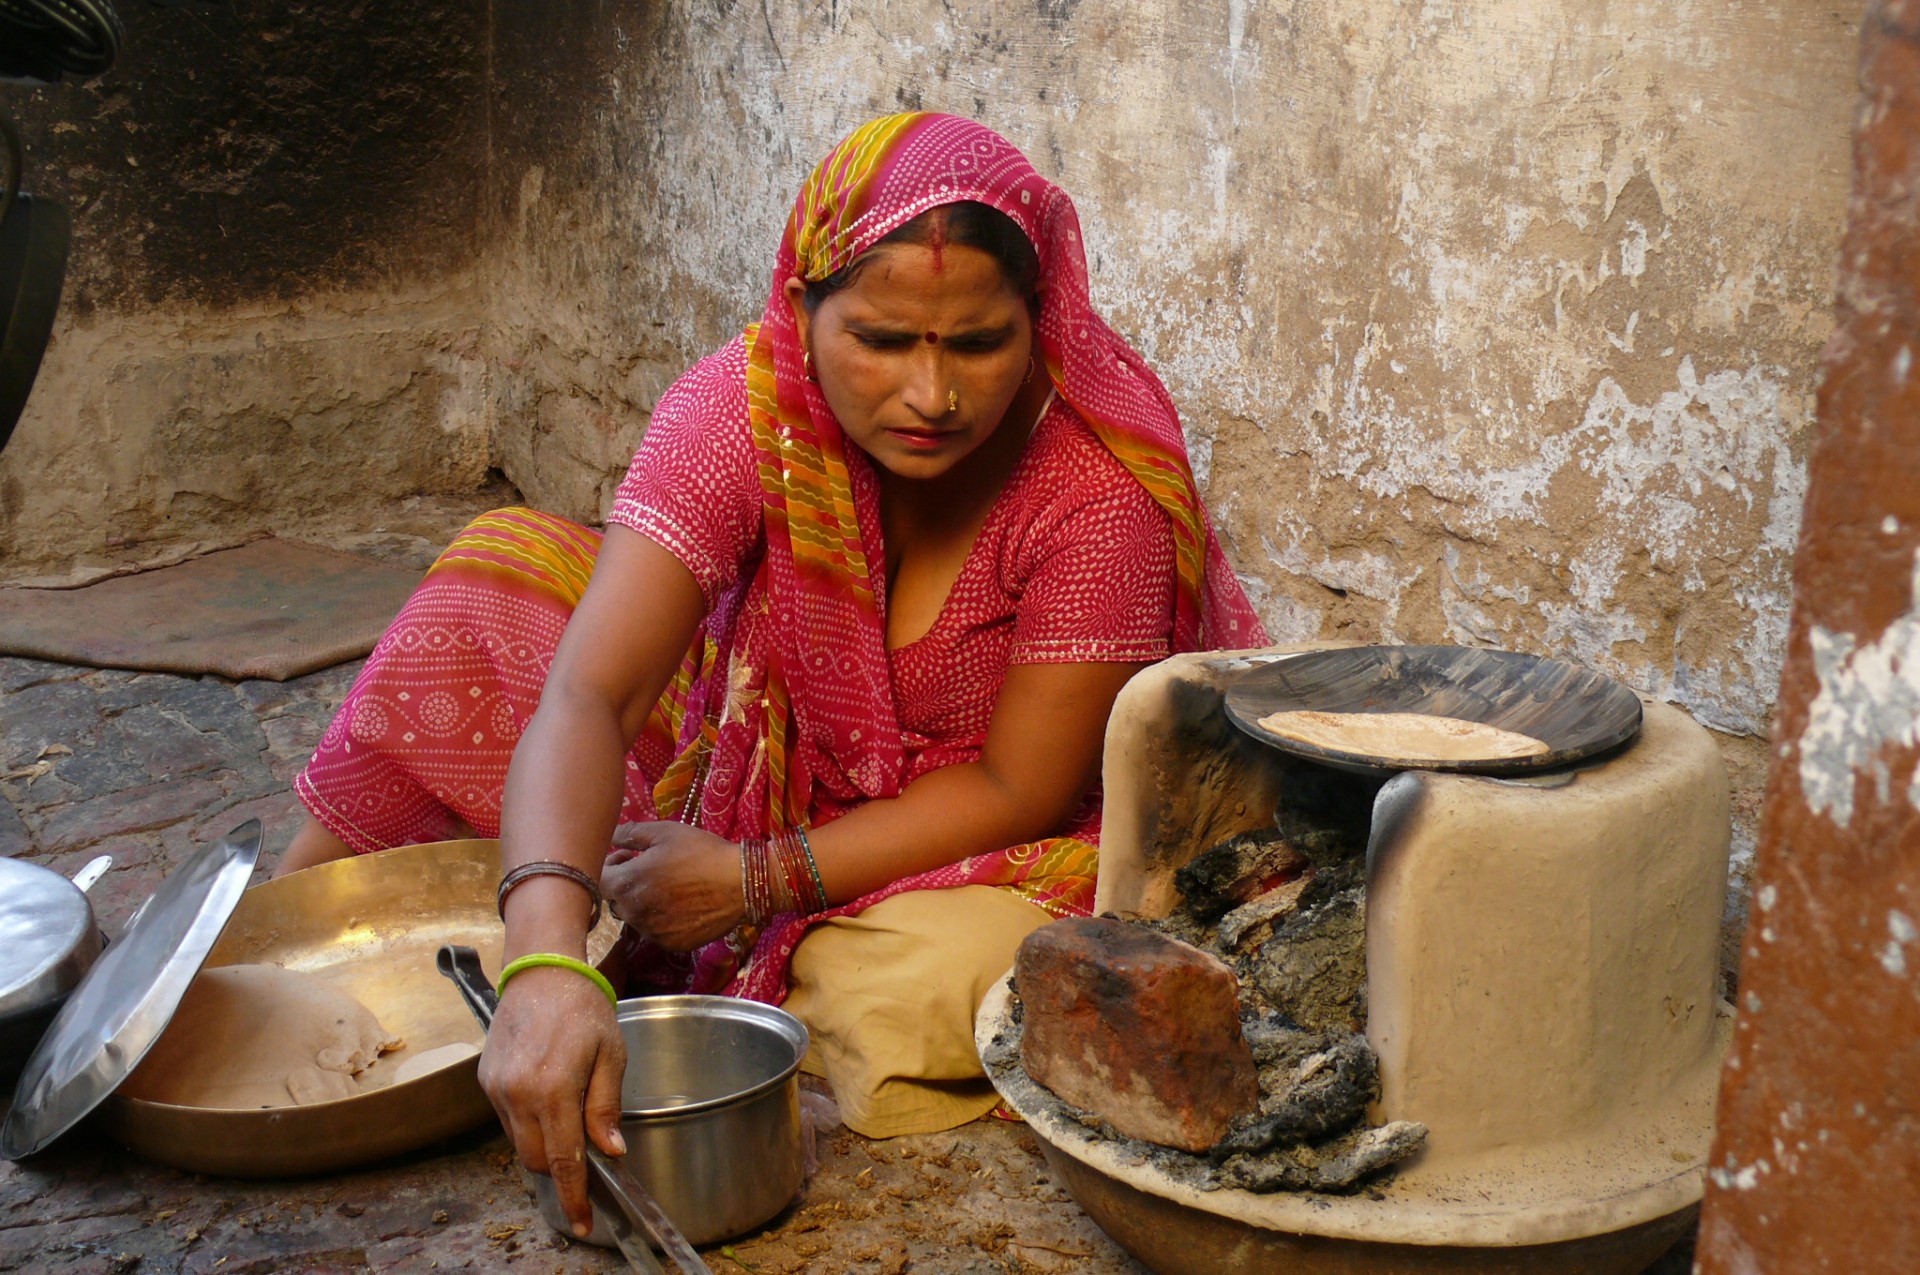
(1576, 712)
(127, 998)
(370, 926)
(47, 937)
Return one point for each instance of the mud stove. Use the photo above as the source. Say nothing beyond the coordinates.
(1541, 986)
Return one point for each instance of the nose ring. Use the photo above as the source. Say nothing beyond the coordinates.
(953, 400)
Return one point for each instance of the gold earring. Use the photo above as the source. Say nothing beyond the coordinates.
(1029, 369)
(806, 366)
(953, 400)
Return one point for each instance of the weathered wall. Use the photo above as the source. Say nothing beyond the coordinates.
(1817, 1163)
(1491, 322)
(273, 305)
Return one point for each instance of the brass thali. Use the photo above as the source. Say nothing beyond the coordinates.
(370, 926)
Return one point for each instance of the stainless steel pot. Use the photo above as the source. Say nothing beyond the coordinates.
(710, 1112)
(48, 941)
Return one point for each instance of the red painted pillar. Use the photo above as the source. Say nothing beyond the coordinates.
(1816, 1166)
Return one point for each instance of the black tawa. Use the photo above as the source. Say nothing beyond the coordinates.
(1576, 712)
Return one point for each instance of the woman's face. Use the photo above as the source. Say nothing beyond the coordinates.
(920, 356)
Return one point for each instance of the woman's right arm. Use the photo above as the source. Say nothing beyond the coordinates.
(554, 1058)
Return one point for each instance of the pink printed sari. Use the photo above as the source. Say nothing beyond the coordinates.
(816, 699)
(783, 712)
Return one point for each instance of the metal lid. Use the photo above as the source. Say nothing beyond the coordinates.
(128, 997)
(47, 936)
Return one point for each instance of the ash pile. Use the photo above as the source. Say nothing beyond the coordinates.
(1226, 1040)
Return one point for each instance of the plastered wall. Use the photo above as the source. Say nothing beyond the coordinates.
(1491, 322)
(274, 303)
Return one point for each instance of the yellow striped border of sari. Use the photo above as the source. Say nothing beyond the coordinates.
(1168, 479)
(678, 782)
(524, 547)
(812, 504)
(826, 219)
(1056, 874)
(785, 808)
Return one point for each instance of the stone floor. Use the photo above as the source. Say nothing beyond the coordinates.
(149, 767)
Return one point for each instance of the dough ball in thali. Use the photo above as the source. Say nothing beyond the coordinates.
(251, 1036)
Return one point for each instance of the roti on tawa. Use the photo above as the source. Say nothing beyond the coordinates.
(1403, 735)
(252, 1036)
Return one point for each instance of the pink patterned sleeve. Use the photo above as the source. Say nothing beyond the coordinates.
(1102, 590)
(693, 487)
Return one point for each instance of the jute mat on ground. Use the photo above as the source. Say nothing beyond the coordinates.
(271, 609)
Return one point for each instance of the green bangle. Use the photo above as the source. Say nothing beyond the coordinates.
(535, 959)
(812, 867)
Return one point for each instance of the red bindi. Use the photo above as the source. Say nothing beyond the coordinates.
(933, 338)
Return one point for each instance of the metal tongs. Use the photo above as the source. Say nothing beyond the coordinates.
(638, 1224)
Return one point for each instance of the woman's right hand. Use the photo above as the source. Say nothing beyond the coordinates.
(552, 1068)
(554, 1059)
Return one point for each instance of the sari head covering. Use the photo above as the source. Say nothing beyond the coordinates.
(783, 713)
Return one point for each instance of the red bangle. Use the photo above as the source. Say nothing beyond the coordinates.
(778, 875)
(799, 876)
(756, 883)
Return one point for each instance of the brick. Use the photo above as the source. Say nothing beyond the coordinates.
(46, 714)
(127, 852)
(1828, 986)
(133, 810)
(14, 841)
(280, 815)
(119, 894)
(328, 686)
(291, 739)
(17, 673)
(167, 745)
(76, 1245)
(1138, 1028)
(103, 764)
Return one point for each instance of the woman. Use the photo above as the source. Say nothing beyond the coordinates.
(862, 607)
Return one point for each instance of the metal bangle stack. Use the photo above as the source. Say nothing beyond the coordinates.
(547, 867)
(778, 874)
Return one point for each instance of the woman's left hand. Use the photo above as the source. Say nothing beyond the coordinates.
(678, 886)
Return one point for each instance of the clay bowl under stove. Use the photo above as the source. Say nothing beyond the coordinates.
(1502, 1215)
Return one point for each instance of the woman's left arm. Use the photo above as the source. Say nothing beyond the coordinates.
(1102, 576)
(1042, 752)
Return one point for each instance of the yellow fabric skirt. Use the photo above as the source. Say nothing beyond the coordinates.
(889, 998)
